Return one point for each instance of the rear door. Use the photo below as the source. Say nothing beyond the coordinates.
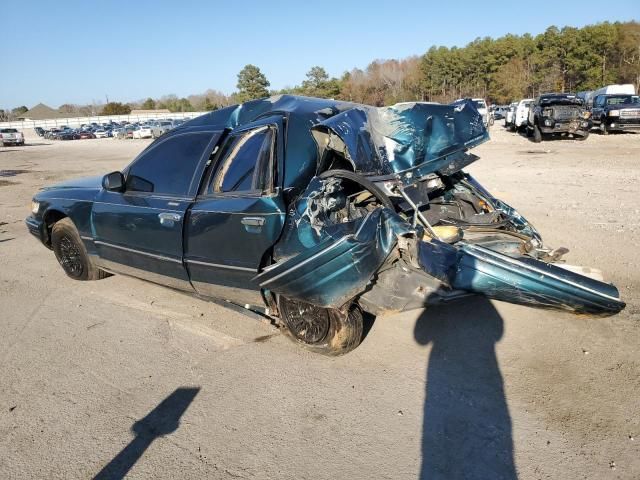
(238, 215)
(140, 231)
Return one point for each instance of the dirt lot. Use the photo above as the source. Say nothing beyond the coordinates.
(121, 375)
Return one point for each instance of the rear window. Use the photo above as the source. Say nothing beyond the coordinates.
(9, 130)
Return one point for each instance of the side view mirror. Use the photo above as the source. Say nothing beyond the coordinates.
(113, 182)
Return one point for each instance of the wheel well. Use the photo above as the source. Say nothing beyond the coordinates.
(50, 218)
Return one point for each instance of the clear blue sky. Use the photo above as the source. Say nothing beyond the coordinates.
(76, 52)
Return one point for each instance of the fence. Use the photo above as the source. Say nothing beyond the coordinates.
(77, 121)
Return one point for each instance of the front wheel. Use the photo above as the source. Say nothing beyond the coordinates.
(326, 331)
(71, 253)
(582, 138)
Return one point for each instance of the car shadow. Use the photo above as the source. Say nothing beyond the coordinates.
(162, 420)
(467, 430)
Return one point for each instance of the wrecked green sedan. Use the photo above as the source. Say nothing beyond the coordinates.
(314, 211)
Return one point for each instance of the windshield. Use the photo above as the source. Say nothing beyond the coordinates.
(560, 100)
(623, 100)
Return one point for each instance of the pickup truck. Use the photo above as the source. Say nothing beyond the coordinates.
(312, 211)
(554, 114)
(519, 120)
(11, 136)
(616, 112)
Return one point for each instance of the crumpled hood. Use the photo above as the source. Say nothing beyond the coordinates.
(390, 140)
(83, 182)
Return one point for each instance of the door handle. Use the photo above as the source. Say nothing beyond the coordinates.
(253, 221)
(169, 218)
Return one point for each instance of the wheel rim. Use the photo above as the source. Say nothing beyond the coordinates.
(308, 323)
(70, 257)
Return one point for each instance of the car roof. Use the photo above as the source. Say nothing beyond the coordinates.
(302, 112)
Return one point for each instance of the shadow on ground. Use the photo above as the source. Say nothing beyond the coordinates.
(162, 420)
(466, 424)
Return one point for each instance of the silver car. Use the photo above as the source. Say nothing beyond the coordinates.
(160, 128)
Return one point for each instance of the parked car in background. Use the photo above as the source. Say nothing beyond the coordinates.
(11, 136)
(160, 128)
(101, 133)
(253, 204)
(521, 113)
(86, 135)
(39, 131)
(589, 96)
(481, 106)
(142, 132)
(500, 111)
(509, 114)
(558, 114)
(67, 134)
(616, 112)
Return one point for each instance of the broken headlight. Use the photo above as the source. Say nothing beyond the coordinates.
(614, 113)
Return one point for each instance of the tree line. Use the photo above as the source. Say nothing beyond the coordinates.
(501, 70)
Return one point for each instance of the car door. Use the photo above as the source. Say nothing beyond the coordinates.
(238, 215)
(597, 109)
(139, 231)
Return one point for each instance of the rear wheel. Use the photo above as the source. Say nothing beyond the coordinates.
(326, 331)
(71, 253)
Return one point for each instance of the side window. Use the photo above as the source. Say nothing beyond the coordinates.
(246, 162)
(168, 168)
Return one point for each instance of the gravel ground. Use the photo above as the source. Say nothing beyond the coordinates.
(122, 376)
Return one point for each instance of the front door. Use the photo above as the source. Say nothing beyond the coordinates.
(140, 231)
(238, 216)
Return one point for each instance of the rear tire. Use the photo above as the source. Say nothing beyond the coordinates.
(326, 331)
(71, 253)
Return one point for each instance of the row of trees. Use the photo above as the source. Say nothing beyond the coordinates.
(500, 70)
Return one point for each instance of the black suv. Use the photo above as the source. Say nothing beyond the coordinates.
(616, 112)
(558, 114)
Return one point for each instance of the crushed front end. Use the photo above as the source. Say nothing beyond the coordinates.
(391, 223)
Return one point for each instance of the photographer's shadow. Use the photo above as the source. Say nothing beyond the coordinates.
(466, 423)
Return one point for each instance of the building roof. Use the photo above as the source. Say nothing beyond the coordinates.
(146, 112)
(41, 112)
